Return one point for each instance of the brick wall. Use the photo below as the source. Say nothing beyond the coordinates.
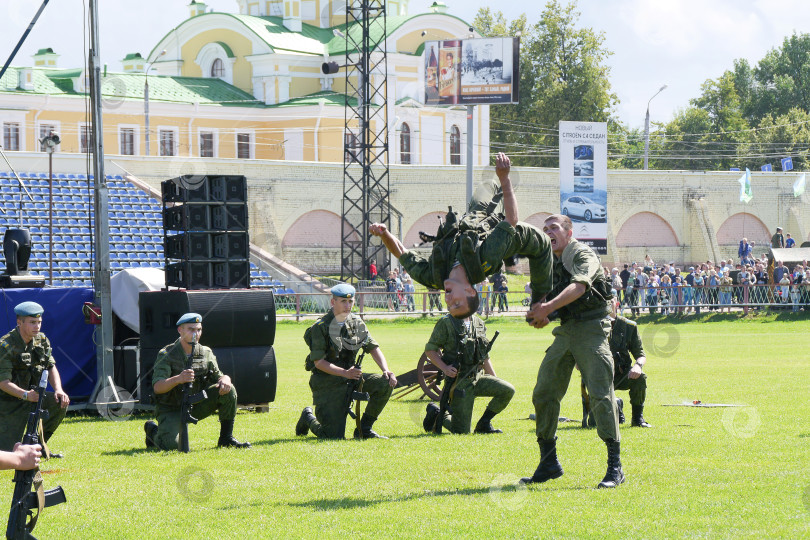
(282, 192)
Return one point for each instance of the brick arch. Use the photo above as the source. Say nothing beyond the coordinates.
(646, 229)
(743, 225)
(317, 228)
(428, 223)
(537, 219)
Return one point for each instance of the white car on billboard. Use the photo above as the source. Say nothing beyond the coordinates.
(582, 207)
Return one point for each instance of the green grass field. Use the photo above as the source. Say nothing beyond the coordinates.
(698, 473)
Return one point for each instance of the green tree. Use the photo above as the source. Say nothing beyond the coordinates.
(748, 116)
(778, 137)
(710, 133)
(563, 76)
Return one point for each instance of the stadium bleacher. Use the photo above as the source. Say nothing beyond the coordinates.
(135, 218)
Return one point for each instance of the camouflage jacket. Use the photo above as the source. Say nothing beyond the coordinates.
(22, 363)
(171, 360)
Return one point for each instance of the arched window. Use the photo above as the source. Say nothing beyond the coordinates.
(455, 146)
(405, 144)
(218, 68)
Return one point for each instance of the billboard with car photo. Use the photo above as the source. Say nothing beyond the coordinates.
(583, 181)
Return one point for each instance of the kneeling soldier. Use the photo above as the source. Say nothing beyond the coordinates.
(170, 374)
(460, 349)
(624, 341)
(627, 375)
(24, 353)
(333, 342)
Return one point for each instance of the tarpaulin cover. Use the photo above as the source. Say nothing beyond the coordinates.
(63, 323)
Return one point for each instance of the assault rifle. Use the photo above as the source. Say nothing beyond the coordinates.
(354, 393)
(21, 518)
(449, 391)
(189, 400)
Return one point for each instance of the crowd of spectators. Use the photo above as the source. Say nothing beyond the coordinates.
(709, 286)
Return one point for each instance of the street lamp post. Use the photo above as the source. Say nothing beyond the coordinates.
(647, 128)
(146, 99)
(50, 142)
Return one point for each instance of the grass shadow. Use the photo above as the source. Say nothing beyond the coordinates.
(130, 451)
(349, 503)
(272, 442)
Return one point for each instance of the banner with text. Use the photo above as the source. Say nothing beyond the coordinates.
(472, 71)
(583, 181)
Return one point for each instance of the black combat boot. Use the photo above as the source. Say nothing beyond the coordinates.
(484, 425)
(365, 426)
(430, 417)
(638, 417)
(150, 427)
(614, 475)
(302, 427)
(620, 409)
(549, 466)
(226, 439)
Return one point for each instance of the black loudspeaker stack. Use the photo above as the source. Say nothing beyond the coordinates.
(208, 246)
(239, 325)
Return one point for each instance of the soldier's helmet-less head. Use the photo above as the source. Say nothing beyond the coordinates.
(461, 297)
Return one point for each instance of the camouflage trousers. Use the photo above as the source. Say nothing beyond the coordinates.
(637, 387)
(14, 417)
(168, 432)
(499, 390)
(329, 398)
(584, 343)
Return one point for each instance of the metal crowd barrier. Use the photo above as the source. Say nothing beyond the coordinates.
(373, 300)
(377, 302)
(685, 299)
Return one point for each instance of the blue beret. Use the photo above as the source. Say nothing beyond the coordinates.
(28, 309)
(189, 318)
(343, 290)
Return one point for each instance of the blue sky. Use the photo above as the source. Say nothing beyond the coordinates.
(680, 43)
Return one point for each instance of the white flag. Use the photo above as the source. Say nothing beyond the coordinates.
(799, 185)
(745, 187)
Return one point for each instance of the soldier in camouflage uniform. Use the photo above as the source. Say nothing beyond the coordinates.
(468, 250)
(334, 342)
(24, 353)
(169, 376)
(459, 349)
(580, 297)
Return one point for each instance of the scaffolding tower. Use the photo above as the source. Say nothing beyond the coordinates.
(365, 157)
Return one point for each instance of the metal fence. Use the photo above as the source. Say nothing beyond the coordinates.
(373, 300)
(686, 299)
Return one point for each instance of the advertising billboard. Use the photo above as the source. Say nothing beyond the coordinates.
(583, 181)
(480, 71)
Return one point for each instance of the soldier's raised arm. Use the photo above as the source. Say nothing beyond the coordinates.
(502, 167)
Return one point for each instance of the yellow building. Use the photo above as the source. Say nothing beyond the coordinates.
(245, 85)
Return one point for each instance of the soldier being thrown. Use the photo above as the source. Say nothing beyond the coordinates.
(24, 353)
(459, 349)
(170, 374)
(467, 251)
(334, 342)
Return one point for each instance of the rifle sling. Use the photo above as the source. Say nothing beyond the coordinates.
(357, 410)
(40, 495)
(46, 451)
